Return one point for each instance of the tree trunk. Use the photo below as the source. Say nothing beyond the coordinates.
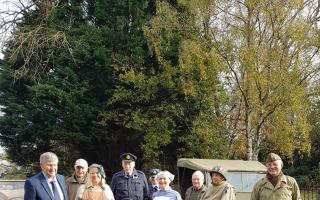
(249, 135)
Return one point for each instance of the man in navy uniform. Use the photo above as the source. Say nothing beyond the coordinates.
(129, 183)
(154, 186)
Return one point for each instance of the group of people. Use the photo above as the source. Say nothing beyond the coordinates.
(274, 186)
(88, 183)
(219, 189)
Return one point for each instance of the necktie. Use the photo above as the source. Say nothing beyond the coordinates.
(155, 188)
(55, 192)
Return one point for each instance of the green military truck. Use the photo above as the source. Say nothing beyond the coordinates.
(241, 174)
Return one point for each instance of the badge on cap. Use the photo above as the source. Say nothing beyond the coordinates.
(128, 157)
(271, 157)
(153, 172)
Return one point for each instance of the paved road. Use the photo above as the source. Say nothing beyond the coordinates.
(11, 189)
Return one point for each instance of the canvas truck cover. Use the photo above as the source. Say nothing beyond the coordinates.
(228, 165)
(240, 173)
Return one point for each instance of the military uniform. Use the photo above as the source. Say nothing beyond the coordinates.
(286, 189)
(221, 191)
(224, 191)
(153, 188)
(283, 188)
(125, 187)
(129, 187)
(194, 194)
(73, 184)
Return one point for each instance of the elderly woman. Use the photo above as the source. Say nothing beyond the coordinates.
(96, 187)
(165, 192)
(198, 189)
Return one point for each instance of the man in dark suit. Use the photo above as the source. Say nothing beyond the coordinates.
(46, 185)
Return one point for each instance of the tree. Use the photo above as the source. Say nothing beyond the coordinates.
(162, 79)
(58, 73)
(176, 100)
(268, 53)
(269, 49)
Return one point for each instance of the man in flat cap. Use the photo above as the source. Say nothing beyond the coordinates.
(219, 189)
(275, 185)
(78, 178)
(129, 183)
(154, 185)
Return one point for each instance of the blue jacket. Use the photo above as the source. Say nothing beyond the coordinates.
(133, 187)
(37, 188)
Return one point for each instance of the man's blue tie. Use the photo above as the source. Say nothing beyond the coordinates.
(55, 192)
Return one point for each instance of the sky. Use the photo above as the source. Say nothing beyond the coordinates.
(1, 150)
(6, 5)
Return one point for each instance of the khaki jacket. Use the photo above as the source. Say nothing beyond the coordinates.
(200, 195)
(225, 191)
(285, 189)
(73, 186)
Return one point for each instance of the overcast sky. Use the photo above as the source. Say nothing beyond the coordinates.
(5, 6)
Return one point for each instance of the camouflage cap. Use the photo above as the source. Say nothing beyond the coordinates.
(271, 157)
(219, 170)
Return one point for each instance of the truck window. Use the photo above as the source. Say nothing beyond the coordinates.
(242, 181)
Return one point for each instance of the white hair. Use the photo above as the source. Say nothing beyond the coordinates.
(165, 174)
(48, 156)
(198, 174)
